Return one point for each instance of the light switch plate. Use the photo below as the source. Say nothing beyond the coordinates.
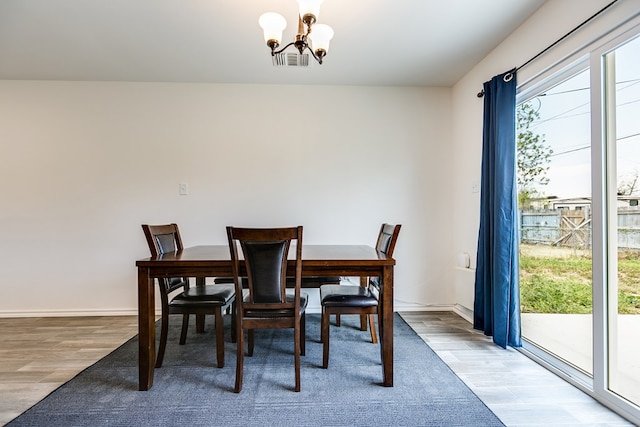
(184, 189)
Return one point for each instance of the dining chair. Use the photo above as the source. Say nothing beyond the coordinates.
(178, 297)
(355, 299)
(266, 301)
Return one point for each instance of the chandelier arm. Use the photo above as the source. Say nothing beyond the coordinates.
(277, 52)
(314, 55)
(306, 47)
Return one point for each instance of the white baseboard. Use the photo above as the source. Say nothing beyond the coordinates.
(69, 313)
(313, 308)
(463, 312)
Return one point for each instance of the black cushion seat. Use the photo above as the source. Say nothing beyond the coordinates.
(205, 296)
(347, 295)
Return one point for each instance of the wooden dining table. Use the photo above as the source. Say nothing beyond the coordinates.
(201, 262)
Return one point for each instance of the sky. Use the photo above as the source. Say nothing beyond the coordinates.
(565, 124)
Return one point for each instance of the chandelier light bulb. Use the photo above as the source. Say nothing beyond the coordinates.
(273, 24)
(320, 36)
(309, 10)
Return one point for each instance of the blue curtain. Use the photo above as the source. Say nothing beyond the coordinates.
(497, 289)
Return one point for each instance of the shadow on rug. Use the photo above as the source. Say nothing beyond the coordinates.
(189, 389)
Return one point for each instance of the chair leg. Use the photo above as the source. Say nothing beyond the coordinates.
(363, 322)
(185, 327)
(233, 322)
(296, 355)
(163, 338)
(303, 337)
(325, 338)
(251, 342)
(372, 328)
(219, 337)
(338, 320)
(239, 359)
(199, 323)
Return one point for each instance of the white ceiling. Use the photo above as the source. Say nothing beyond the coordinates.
(377, 42)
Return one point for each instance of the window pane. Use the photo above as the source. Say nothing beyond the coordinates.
(623, 290)
(554, 192)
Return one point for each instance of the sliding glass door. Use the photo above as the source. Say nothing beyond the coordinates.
(622, 129)
(579, 200)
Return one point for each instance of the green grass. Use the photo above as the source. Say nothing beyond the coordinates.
(560, 281)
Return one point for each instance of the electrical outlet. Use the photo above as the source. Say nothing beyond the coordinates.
(475, 187)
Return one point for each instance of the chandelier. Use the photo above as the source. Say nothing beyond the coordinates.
(311, 36)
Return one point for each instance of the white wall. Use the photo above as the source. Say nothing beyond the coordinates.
(85, 163)
(552, 21)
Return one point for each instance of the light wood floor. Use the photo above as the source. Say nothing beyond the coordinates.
(518, 390)
(40, 354)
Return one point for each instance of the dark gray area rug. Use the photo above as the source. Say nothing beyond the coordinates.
(190, 390)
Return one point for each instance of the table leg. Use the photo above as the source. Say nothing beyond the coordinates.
(146, 329)
(200, 281)
(385, 319)
(364, 282)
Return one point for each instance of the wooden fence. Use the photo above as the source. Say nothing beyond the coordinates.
(572, 228)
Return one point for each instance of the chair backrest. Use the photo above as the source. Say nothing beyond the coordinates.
(164, 239)
(386, 244)
(387, 238)
(265, 256)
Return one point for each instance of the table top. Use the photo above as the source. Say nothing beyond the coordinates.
(311, 255)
